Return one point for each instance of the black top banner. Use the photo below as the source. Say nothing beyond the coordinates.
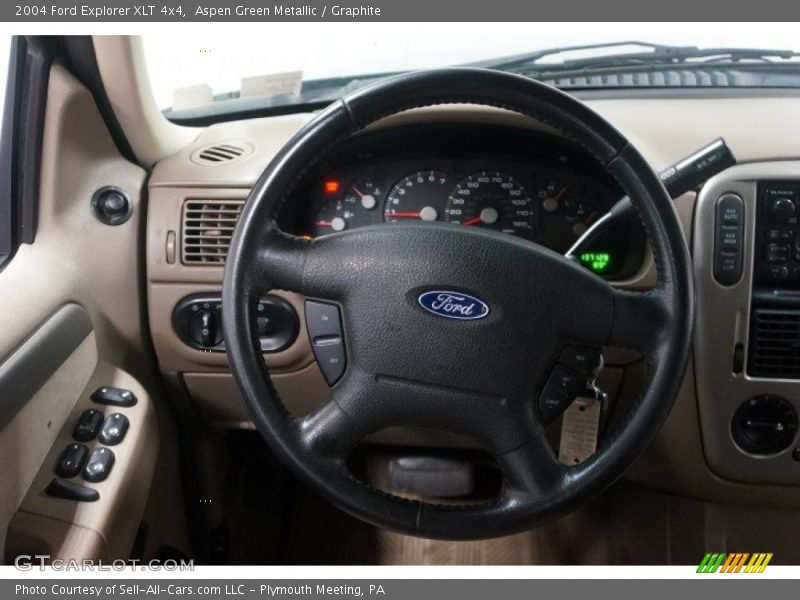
(395, 10)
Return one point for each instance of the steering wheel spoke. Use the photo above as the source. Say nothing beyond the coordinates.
(639, 320)
(532, 469)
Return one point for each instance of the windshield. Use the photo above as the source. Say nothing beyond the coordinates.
(306, 65)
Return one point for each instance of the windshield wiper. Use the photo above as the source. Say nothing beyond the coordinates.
(658, 54)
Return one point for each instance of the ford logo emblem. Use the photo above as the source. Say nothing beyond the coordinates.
(453, 305)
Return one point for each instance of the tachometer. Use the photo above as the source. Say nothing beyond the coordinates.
(494, 200)
(420, 195)
(353, 208)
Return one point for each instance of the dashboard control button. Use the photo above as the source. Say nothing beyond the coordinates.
(114, 429)
(582, 359)
(205, 328)
(728, 268)
(779, 235)
(562, 387)
(730, 210)
(729, 239)
(71, 460)
(99, 464)
(114, 396)
(88, 425)
(69, 490)
(777, 253)
(779, 272)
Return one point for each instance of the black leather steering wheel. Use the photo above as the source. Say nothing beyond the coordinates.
(481, 377)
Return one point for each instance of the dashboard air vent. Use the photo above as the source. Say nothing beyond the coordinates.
(775, 343)
(207, 230)
(220, 154)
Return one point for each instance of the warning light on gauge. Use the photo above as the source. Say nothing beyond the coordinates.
(331, 186)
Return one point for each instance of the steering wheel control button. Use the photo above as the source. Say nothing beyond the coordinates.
(322, 320)
(325, 330)
(729, 239)
(562, 387)
(69, 490)
(331, 358)
(764, 425)
(583, 359)
(71, 460)
(114, 429)
(88, 425)
(98, 466)
(112, 396)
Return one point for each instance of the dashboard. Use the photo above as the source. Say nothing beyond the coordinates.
(522, 184)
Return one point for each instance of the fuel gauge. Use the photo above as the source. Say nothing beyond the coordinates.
(355, 207)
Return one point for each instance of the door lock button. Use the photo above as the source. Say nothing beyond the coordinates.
(88, 425)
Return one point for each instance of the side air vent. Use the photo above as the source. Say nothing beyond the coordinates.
(775, 343)
(207, 230)
(221, 154)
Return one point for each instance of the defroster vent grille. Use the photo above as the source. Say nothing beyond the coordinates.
(207, 230)
(775, 343)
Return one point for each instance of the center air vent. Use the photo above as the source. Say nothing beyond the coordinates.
(775, 343)
(221, 154)
(207, 230)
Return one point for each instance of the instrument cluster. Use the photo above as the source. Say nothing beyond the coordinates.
(516, 183)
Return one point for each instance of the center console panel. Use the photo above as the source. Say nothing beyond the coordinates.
(747, 340)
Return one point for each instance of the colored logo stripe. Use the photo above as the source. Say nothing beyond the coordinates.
(734, 563)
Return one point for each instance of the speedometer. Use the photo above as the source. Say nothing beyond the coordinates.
(493, 200)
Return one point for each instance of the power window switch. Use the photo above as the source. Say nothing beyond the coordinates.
(69, 490)
(114, 429)
(88, 425)
(113, 396)
(71, 460)
(98, 466)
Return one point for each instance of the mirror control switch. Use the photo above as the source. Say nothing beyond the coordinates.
(113, 396)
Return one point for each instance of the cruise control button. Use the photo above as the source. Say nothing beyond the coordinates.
(583, 359)
(71, 460)
(322, 320)
(331, 358)
(562, 387)
(114, 429)
(88, 425)
(99, 465)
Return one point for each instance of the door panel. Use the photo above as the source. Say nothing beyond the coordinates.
(71, 303)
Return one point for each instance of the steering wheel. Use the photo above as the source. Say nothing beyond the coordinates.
(454, 328)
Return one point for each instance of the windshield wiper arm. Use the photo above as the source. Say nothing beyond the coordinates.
(658, 54)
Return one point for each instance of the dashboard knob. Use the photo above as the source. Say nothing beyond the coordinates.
(204, 328)
(783, 208)
(764, 425)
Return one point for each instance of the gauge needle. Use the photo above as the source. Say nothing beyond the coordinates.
(359, 193)
(404, 215)
(323, 224)
(472, 221)
(591, 217)
(560, 194)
